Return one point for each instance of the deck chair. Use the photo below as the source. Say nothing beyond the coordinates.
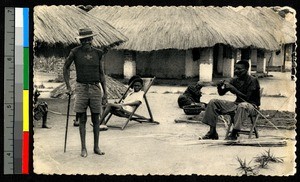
(253, 118)
(132, 116)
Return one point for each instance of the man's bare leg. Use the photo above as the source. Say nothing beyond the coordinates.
(96, 123)
(82, 131)
(107, 111)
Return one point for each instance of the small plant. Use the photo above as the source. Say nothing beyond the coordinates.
(267, 157)
(263, 163)
(245, 168)
(264, 159)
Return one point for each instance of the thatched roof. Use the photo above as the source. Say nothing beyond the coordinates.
(183, 27)
(60, 24)
(115, 89)
(270, 21)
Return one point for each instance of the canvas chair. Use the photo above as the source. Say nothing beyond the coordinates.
(132, 115)
(253, 118)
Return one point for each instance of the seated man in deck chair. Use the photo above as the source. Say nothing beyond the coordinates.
(132, 100)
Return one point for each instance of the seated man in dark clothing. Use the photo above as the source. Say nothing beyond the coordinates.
(247, 90)
(190, 96)
(40, 109)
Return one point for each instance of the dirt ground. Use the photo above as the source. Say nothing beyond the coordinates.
(168, 148)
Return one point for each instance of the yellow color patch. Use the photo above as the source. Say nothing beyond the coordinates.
(25, 110)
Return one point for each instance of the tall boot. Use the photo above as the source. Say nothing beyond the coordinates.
(82, 131)
(96, 123)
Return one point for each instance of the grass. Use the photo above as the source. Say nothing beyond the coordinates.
(265, 158)
(245, 169)
(263, 161)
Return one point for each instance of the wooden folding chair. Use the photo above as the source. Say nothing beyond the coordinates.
(253, 118)
(132, 115)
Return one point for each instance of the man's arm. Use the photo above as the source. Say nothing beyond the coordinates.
(66, 72)
(103, 83)
(247, 96)
(235, 91)
(135, 103)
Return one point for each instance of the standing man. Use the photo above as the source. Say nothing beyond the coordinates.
(89, 75)
(247, 90)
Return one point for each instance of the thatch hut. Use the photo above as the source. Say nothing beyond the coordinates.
(55, 29)
(59, 25)
(268, 20)
(183, 41)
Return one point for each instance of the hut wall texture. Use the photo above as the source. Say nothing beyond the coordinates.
(113, 63)
(228, 67)
(206, 65)
(129, 69)
(253, 57)
(237, 54)
(269, 57)
(261, 65)
(220, 59)
(162, 64)
(191, 66)
(277, 59)
(288, 56)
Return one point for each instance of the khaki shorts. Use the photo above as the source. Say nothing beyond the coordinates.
(88, 95)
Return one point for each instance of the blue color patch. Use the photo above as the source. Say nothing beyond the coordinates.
(26, 26)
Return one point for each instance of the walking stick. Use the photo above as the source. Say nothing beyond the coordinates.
(67, 123)
(261, 114)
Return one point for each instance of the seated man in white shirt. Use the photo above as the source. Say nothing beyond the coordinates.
(132, 100)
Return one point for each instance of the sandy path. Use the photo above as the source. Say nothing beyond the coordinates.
(167, 148)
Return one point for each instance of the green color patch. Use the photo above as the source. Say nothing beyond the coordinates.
(26, 68)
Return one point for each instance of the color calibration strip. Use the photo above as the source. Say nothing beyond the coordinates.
(16, 83)
(25, 146)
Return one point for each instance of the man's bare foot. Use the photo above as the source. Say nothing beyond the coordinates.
(98, 151)
(83, 153)
(45, 126)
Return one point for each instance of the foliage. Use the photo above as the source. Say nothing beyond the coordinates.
(264, 159)
(245, 168)
(267, 157)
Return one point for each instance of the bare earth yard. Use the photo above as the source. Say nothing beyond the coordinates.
(168, 148)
